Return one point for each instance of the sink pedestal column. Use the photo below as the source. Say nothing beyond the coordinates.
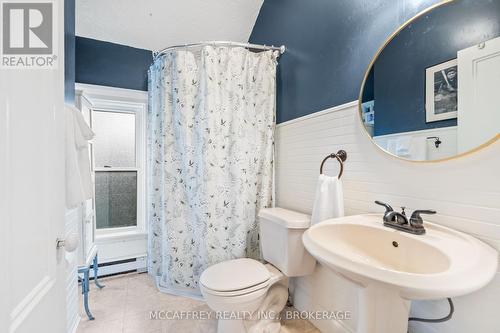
(382, 310)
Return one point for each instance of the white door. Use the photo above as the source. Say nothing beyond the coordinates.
(32, 297)
(478, 92)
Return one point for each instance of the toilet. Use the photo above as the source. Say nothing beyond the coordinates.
(240, 291)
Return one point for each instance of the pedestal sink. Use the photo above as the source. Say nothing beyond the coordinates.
(393, 267)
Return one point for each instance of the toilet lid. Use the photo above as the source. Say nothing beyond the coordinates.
(234, 275)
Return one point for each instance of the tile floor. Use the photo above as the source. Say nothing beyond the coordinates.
(124, 306)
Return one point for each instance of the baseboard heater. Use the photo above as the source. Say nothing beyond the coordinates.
(111, 268)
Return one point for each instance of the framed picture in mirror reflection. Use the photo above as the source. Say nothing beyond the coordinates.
(441, 91)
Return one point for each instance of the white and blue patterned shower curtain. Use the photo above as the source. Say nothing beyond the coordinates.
(211, 123)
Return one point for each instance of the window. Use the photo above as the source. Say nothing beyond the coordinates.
(116, 168)
(117, 117)
(115, 140)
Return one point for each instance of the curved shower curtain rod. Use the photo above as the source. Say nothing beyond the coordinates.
(281, 48)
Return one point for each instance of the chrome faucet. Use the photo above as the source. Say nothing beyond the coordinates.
(399, 221)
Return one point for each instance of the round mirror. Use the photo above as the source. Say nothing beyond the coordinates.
(433, 90)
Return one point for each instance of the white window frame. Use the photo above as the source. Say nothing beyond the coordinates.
(108, 99)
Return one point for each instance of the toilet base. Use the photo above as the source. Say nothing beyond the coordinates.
(265, 319)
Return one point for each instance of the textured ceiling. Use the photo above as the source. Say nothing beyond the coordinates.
(155, 24)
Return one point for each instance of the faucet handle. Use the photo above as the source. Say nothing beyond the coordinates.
(417, 219)
(388, 208)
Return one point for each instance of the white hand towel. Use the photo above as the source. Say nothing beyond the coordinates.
(403, 146)
(329, 199)
(78, 173)
(419, 148)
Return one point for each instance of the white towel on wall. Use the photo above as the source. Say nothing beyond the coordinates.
(403, 146)
(419, 148)
(329, 199)
(78, 173)
(391, 145)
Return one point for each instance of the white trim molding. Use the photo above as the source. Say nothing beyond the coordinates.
(96, 92)
(319, 113)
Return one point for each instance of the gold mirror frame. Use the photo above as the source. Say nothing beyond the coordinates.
(372, 63)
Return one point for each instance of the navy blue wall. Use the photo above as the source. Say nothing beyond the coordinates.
(369, 88)
(433, 39)
(69, 51)
(109, 64)
(329, 46)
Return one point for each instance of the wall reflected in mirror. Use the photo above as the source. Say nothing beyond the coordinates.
(433, 91)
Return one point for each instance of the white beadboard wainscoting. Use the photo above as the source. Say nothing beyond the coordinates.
(71, 219)
(464, 191)
(447, 136)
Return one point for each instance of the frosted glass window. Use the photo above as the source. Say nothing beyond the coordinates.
(116, 199)
(114, 143)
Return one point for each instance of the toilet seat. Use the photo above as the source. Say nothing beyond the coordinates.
(238, 292)
(235, 277)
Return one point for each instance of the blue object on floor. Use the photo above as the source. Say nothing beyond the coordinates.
(85, 281)
(95, 266)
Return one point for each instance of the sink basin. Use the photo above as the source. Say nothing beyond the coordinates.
(393, 267)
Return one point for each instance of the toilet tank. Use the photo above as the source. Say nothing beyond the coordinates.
(281, 241)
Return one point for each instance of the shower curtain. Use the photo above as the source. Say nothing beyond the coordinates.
(211, 122)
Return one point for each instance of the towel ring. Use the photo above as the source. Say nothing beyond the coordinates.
(341, 156)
